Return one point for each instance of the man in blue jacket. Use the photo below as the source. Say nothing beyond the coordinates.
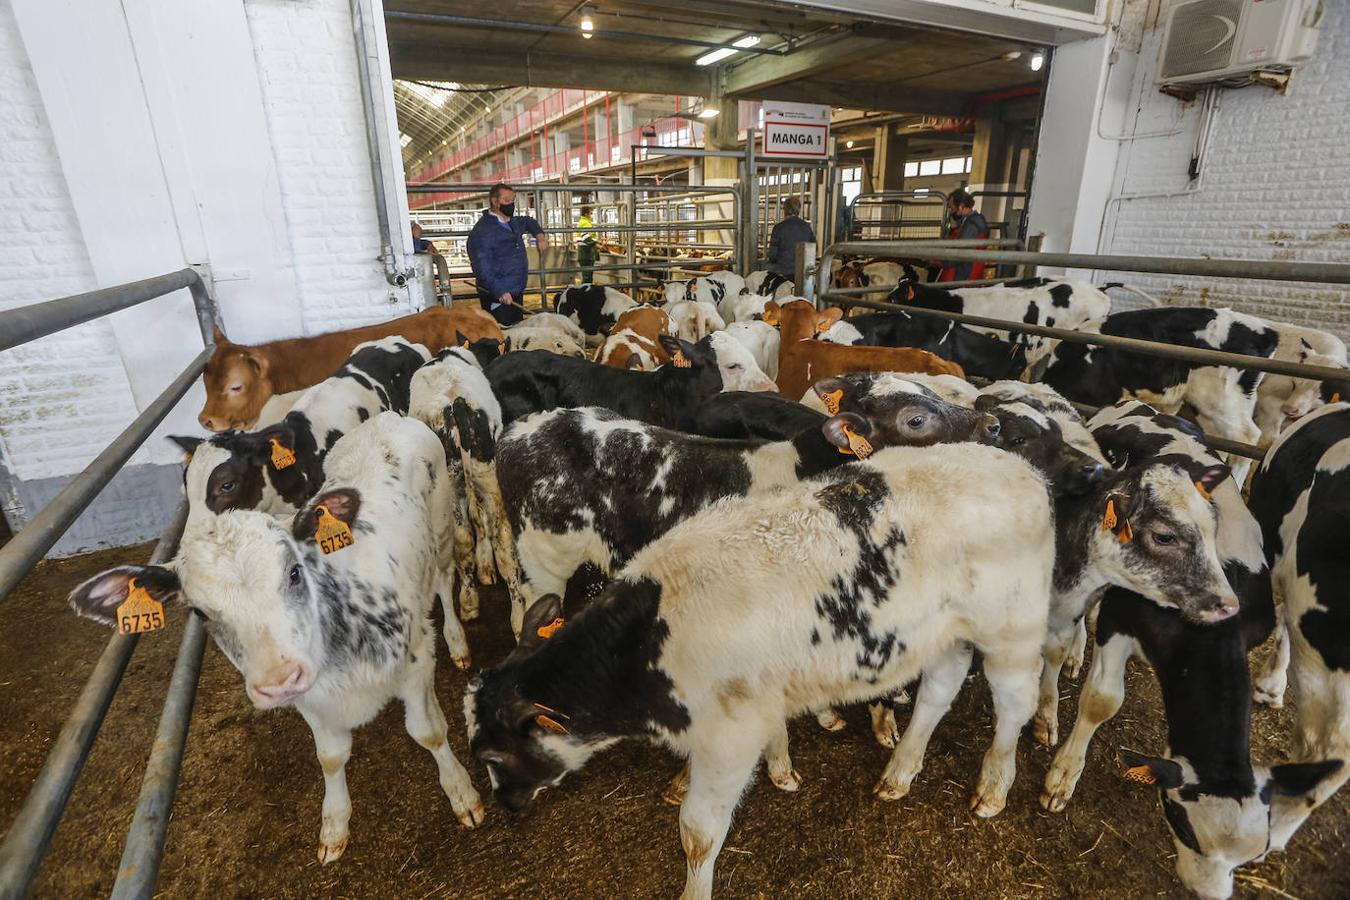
(497, 255)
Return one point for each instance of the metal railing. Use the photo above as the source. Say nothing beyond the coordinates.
(1321, 273)
(26, 841)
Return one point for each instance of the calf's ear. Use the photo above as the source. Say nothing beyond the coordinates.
(1213, 477)
(677, 349)
(1152, 770)
(99, 597)
(827, 317)
(541, 622)
(1297, 779)
(217, 336)
(986, 402)
(833, 392)
(849, 432)
(342, 503)
(187, 443)
(772, 313)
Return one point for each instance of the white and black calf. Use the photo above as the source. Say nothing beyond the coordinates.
(594, 307)
(279, 467)
(714, 666)
(535, 382)
(336, 635)
(1283, 397)
(1216, 803)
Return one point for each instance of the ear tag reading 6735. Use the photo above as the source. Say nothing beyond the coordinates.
(139, 612)
(332, 534)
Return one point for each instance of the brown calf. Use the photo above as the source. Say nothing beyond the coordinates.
(802, 361)
(241, 378)
(633, 341)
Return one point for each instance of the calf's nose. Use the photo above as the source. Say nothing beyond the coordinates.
(279, 685)
(207, 422)
(988, 428)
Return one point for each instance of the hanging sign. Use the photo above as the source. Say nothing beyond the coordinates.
(796, 130)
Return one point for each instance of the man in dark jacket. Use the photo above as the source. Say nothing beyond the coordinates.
(967, 224)
(785, 237)
(497, 255)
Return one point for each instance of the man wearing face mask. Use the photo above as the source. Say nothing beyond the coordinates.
(497, 255)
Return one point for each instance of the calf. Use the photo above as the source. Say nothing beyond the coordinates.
(764, 283)
(334, 630)
(239, 379)
(1280, 398)
(693, 320)
(1056, 302)
(712, 288)
(1301, 496)
(279, 467)
(803, 361)
(981, 355)
(1223, 397)
(534, 382)
(627, 482)
(1217, 804)
(592, 306)
(451, 395)
(744, 307)
(547, 335)
(635, 340)
(762, 340)
(713, 666)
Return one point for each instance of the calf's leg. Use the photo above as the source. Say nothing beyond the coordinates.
(425, 722)
(779, 762)
(1273, 677)
(1046, 726)
(719, 769)
(334, 748)
(1103, 692)
(942, 680)
(1011, 673)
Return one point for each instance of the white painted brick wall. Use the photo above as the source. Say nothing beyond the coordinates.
(1275, 185)
(62, 398)
(306, 56)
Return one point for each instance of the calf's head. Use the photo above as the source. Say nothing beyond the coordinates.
(237, 386)
(1216, 828)
(1031, 434)
(891, 412)
(719, 362)
(1155, 531)
(484, 350)
(267, 598)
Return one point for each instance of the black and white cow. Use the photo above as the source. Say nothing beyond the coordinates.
(537, 381)
(1224, 398)
(770, 284)
(981, 355)
(278, 467)
(335, 635)
(826, 596)
(1217, 804)
(1301, 496)
(711, 288)
(592, 306)
(1283, 397)
(1053, 302)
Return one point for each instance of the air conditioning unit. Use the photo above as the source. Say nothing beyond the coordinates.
(1212, 40)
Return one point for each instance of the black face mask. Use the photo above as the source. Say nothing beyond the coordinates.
(508, 209)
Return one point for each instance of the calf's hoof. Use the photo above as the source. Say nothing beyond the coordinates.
(1045, 731)
(1268, 694)
(890, 791)
(332, 851)
(789, 781)
(884, 728)
(830, 720)
(676, 789)
(1054, 802)
(987, 804)
(471, 816)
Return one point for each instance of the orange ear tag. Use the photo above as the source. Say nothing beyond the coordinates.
(1203, 492)
(1109, 519)
(553, 725)
(139, 612)
(332, 534)
(858, 445)
(283, 457)
(681, 361)
(465, 345)
(770, 317)
(823, 325)
(549, 630)
(1141, 774)
(1126, 534)
(1336, 398)
(831, 400)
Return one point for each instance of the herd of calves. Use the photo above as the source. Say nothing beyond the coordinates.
(641, 522)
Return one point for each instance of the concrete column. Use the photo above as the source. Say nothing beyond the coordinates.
(621, 111)
(720, 134)
(888, 159)
(989, 167)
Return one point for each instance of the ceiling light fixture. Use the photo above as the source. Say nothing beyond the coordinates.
(722, 53)
(1037, 60)
(1012, 54)
(708, 112)
(848, 144)
(587, 22)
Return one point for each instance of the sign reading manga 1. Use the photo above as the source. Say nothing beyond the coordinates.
(797, 130)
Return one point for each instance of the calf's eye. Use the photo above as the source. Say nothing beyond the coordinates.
(236, 388)
(1016, 442)
(916, 421)
(735, 367)
(227, 487)
(1164, 539)
(295, 575)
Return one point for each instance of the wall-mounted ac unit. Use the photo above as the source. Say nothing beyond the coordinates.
(1212, 40)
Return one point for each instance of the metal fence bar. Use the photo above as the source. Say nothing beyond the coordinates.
(26, 841)
(144, 850)
(1134, 345)
(46, 528)
(28, 323)
(1266, 270)
(694, 225)
(431, 187)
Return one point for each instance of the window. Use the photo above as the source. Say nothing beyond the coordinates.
(851, 182)
(930, 167)
(911, 169)
(955, 165)
(967, 163)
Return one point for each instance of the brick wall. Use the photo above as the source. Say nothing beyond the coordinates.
(306, 58)
(1275, 184)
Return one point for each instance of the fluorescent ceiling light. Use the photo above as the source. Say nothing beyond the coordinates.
(749, 40)
(708, 112)
(1037, 60)
(713, 56)
(587, 23)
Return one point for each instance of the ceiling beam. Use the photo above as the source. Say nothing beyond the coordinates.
(752, 78)
(484, 65)
(871, 96)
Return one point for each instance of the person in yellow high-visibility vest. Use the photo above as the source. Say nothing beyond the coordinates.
(587, 249)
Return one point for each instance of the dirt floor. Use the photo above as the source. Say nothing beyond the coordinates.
(246, 819)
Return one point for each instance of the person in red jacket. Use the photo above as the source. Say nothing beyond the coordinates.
(967, 224)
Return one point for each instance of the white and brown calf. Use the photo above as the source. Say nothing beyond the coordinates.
(335, 636)
(898, 560)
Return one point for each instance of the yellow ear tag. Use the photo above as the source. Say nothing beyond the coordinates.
(1203, 492)
(909, 292)
(823, 325)
(858, 445)
(549, 630)
(139, 612)
(1336, 398)
(831, 400)
(770, 317)
(1126, 534)
(501, 347)
(681, 361)
(282, 457)
(1109, 519)
(332, 534)
(1141, 774)
(548, 724)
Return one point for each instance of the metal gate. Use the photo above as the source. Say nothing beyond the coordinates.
(812, 184)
